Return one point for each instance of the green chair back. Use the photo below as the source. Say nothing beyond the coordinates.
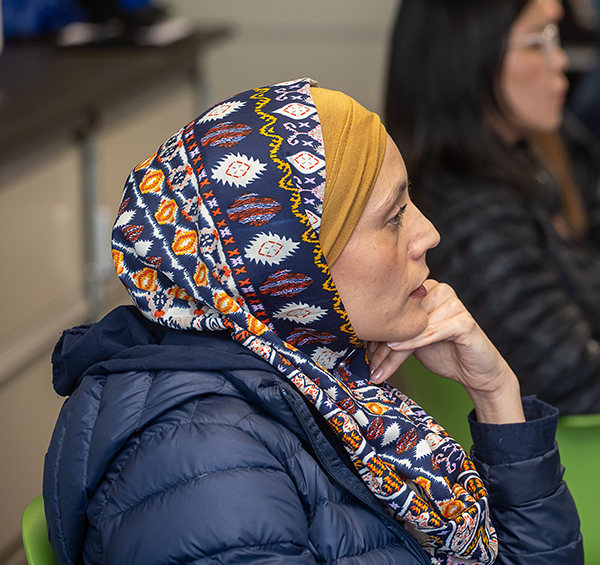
(578, 440)
(445, 400)
(35, 534)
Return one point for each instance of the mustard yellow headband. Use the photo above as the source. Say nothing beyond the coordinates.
(355, 141)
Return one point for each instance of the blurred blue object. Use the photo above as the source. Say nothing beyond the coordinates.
(35, 18)
(28, 19)
(585, 100)
(135, 5)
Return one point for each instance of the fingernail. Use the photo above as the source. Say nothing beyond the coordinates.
(372, 346)
(376, 376)
(395, 344)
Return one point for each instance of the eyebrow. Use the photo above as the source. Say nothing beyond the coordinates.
(394, 196)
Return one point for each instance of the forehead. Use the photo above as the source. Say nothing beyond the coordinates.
(537, 14)
(391, 182)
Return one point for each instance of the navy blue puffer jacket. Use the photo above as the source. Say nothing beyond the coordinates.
(181, 447)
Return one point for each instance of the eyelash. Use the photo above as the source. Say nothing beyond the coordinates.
(397, 219)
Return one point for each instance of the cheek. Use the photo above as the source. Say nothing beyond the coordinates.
(522, 83)
(527, 89)
(389, 306)
(389, 275)
(375, 292)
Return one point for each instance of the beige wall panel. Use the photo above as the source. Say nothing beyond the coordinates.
(135, 131)
(341, 43)
(273, 13)
(40, 231)
(28, 411)
(353, 69)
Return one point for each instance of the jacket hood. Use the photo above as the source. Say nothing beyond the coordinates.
(120, 374)
(124, 340)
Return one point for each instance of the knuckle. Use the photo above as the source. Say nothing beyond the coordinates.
(467, 320)
(446, 288)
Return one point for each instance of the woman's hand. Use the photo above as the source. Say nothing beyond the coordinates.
(454, 346)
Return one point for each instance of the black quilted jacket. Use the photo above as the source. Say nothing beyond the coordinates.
(534, 293)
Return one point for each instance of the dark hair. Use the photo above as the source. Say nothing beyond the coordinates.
(445, 62)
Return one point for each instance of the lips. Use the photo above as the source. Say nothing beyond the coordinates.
(563, 89)
(420, 292)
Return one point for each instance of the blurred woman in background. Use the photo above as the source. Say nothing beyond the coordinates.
(475, 104)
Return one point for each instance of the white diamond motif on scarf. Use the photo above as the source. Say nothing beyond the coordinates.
(300, 313)
(296, 111)
(435, 440)
(326, 357)
(391, 434)
(142, 247)
(238, 170)
(423, 449)
(221, 111)
(270, 248)
(306, 162)
(125, 218)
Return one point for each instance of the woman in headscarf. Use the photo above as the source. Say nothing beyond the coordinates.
(230, 416)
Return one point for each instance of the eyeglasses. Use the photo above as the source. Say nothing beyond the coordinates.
(548, 39)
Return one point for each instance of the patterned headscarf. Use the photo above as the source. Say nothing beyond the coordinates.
(219, 230)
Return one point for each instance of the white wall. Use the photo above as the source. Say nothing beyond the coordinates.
(340, 43)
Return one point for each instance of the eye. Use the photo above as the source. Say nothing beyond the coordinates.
(397, 219)
(537, 46)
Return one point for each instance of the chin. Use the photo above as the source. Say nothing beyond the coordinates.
(551, 126)
(409, 329)
(393, 327)
(552, 121)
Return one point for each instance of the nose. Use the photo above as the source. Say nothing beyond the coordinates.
(425, 236)
(560, 59)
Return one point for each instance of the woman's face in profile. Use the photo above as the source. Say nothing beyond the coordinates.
(380, 272)
(532, 79)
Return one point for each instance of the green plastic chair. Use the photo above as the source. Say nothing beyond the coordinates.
(445, 400)
(578, 439)
(35, 534)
